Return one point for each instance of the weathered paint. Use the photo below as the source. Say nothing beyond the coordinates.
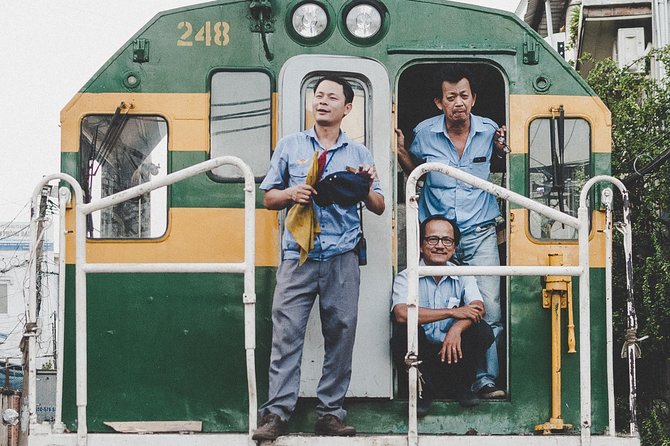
(187, 116)
(530, 251)
(169, 347)
(526, 108)
(194, 235)
(180, 69)
(306, 439)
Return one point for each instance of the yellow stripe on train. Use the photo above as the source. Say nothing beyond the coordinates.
(525, 108)
(187, 116)
(198, 235)
(527, 251)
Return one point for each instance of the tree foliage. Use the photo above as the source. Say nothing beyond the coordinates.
(640, 109)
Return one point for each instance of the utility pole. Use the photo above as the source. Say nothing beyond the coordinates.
(53, 336)
(39, 248)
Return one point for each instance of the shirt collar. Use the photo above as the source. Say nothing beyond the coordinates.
(456, 278)
(476, 125)
(342, 140)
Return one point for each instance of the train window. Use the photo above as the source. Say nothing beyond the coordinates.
(556, 176)
(118, 152)
(240, 125)
(354, 124)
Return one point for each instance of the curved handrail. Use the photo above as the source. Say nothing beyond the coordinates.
(83, 267)
(414, 270)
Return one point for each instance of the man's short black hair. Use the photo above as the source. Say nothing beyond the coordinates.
(453, 73)
(457, 232)
(348, 91)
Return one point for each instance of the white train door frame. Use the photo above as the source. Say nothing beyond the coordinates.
(372, 370)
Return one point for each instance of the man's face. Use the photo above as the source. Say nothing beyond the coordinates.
(438, 243)
(328, 104)
(457, 101)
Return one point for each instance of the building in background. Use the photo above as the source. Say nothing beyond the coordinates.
(622, 29)
(14, 281)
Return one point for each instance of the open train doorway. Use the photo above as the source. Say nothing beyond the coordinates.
(416, 90)
(369, 124)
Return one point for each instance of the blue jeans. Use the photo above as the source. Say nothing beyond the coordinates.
(480, 247)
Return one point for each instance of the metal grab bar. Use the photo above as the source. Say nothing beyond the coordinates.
(82, 268)
(583, 272)
(630, 346)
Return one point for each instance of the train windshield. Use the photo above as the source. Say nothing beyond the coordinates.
(118, 152)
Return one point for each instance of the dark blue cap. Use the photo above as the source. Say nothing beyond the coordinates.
(343, 188)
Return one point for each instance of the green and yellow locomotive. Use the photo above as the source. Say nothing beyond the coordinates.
(165, 351)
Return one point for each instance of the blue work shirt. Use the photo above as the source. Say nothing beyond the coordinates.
(450, 292)
(469, 206)
(340, 225)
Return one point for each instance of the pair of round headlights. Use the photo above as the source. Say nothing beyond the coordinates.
(364, 21)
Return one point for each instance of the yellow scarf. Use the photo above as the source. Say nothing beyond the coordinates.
(301, 220)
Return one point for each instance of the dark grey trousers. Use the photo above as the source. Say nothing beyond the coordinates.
(337, 282)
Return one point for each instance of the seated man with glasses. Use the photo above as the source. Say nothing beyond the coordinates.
(452, 332)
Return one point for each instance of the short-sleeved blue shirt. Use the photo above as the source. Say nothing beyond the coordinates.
(340, 225)
(443, 195)
(450, 292)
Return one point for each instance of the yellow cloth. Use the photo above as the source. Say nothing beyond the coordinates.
(301, 220)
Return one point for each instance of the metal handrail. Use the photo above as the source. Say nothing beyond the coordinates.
(631, 349)
(83, 267)
(415, 270)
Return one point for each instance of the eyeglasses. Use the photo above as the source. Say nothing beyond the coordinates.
(448, 242)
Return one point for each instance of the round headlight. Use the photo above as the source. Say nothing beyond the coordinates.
(364, 21)
(309, 20)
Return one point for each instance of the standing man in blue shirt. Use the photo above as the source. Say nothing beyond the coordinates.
(466, 141)
(452, 334)
(330, 270)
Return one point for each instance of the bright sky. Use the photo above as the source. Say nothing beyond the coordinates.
(51, 49)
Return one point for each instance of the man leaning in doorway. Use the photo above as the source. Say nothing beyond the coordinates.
(466, 141)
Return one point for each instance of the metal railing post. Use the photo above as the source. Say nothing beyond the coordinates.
(583, 271)
(82, 268)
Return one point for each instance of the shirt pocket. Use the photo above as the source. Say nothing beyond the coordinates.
(454, 302)
(297, 170)
(439, 179)
(479, 166)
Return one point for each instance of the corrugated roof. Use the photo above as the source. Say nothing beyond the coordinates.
(537, 19)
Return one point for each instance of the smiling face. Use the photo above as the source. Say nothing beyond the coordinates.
(329, 105)
(437, 254)
(457, 101)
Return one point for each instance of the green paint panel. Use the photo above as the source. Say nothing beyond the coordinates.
(69, 164)
(518, 176)
(170, 347)
(167, 347)
(601, 164)
(529, 376)
(202, 191)
(180, 63)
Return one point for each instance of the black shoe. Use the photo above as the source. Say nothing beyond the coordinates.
(270, 428)
(490, 392)
(423, 406)
(332, 426)
(468, 399)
